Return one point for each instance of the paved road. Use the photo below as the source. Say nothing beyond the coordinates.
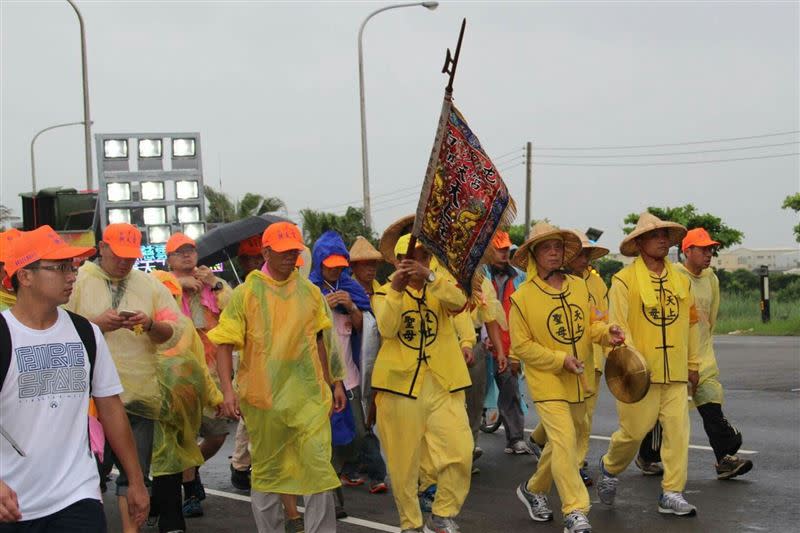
(762, 380)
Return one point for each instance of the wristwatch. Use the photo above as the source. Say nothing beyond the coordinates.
(217, 286)
(431, 277)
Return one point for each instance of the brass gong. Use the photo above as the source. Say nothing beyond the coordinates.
(627, 375)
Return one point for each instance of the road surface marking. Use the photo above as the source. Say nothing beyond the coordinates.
(692, 446)
(377, 526)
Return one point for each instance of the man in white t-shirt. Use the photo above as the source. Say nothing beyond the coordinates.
(49, 477)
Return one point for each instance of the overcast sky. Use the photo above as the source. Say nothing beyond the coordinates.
(273, 90)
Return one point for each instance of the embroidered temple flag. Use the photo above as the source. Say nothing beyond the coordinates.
(464, 201)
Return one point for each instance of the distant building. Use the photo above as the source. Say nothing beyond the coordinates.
(777, 259)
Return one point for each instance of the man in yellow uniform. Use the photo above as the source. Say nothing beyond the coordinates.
(420, 377)
(552, 332)
(654, 303)
(284, 385)
(725, 439)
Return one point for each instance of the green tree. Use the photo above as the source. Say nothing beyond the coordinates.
(687, 215)
(349, 225)
(607, 268)
(793, 202)
(222, 209)
(6, 215)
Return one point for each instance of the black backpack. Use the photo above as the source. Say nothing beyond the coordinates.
(85, 332)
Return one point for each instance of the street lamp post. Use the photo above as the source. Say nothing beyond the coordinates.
(33, 160)
(87, 123)
(364, 162)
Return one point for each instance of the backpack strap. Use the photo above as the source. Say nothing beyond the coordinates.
(86, 333)
(5, 350)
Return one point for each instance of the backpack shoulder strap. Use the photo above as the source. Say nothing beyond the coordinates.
(86, 333)
(5, 349)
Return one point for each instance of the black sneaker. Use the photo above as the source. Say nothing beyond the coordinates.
(731, 466)
(240, 479)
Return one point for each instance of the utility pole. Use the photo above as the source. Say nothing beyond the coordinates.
(528, 175)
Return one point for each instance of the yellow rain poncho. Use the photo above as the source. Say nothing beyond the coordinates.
(134, 354)
(598, 298)
(7, 300)
(186, 388)
(706, 299)
(284, 397)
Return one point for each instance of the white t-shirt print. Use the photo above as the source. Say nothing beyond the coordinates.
(43, 407)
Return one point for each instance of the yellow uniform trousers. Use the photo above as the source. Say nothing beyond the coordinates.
(566, 428)
(436, 420)
(540, 436)
(668, 404)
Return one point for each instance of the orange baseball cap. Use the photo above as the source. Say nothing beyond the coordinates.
(282, 237)
(501, 240)
(177, 240)
(334, 261)
(250, 246)
(26, 247)
(300, 261)
(124, 239)
(8, 235)
(697, 237)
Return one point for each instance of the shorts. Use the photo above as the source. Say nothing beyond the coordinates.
(84, 516)
(213, 427)
(143, 438)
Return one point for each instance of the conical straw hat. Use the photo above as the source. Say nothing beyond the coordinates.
(392, 234)
(543, 231)
(362, 250)
(649, 222)
(595, 251)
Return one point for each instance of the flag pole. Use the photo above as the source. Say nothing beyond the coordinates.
(450, 64)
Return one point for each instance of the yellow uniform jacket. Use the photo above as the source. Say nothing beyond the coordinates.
(547, 325)
(419, 338)
(665, 333)
(598, 299)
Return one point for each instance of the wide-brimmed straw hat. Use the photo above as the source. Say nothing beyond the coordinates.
(542, 231)
(649, 222)
(362, 250)
(595, 251)
(392, 234)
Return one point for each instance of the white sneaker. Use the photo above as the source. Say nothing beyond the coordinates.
(675, 503)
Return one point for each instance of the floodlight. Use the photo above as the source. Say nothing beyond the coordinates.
(158, 234)
(186, 190)
(152, 190)
(118, 216)
(115, 148)
(188, 214)
(183, 148)
(149, 148)
(194, 230)
(154, 215)
(593, 234)
(118, 191)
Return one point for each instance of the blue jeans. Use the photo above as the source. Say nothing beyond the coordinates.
(84, 516)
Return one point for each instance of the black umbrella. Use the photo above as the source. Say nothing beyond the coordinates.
(221, 243)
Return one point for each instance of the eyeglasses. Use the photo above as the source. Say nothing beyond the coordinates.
(184, 253)
(63, 268)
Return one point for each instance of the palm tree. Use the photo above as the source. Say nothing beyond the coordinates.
(349, 226)
(6, 215)
(222, 209)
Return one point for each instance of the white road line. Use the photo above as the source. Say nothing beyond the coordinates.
(795, 390)
(692, 446)
(376, 526)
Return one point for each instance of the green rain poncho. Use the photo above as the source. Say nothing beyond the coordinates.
(186, 387)
(283, 395)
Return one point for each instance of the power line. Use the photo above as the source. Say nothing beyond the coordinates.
(726, 139)
(656, 164)
(511, 166)
(518, 150)
(658, 154)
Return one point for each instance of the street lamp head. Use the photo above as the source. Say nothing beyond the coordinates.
(430, 5)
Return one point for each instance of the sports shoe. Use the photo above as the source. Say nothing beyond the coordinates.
(477, 452)
(606, 486)
(240, 479)
(475, 470)
(378, 487)
(440, 524)
(576, 522)
(426, 498)
(294, 525)
(340, 512)
(192, 507)
(731, 466)
(585, 477)
(351, 480)
(648, 468)
(675, 503)
(536, 504)
(415, 530)
(518, 448)
(535, 448)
